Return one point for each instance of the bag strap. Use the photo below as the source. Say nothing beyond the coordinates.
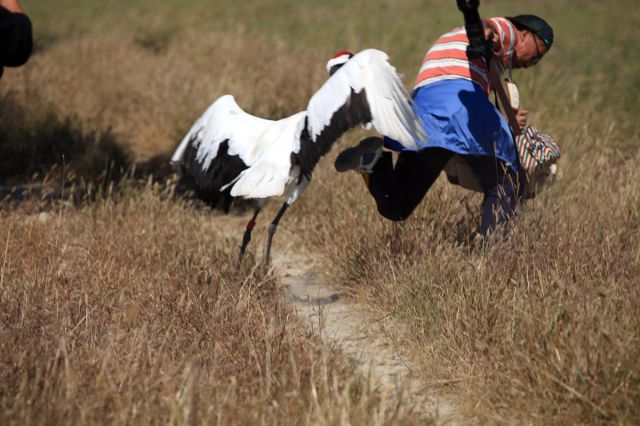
(496, 83)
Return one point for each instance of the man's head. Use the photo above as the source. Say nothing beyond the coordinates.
(533, 41)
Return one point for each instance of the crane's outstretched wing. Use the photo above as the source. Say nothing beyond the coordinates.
(366, 89)
(223, 121)
(220, 145)
(271, 171)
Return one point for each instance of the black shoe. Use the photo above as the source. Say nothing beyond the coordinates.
(361, 157)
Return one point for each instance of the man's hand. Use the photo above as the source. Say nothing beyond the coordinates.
(483, 50)
(466, 6)
(521, 118)
(479, 45)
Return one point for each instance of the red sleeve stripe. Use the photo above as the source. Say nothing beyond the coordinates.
(453, 54)
(452, 62)
(506, 32)
(460, 72)
(447, 58)
(461, 38)
(446, 54)
(495, 24)
(457, 35)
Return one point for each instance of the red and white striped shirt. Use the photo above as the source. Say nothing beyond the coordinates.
(447, 59)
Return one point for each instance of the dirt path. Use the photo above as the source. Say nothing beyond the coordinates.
(359, 334)
(353, 327)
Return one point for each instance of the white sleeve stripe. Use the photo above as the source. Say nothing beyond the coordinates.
(438, 63)
(452, 45)
(441, 63)
(501, 33)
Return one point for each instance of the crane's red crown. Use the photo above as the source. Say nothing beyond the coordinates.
(340, 58)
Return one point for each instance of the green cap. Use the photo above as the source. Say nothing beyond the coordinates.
(536, 25)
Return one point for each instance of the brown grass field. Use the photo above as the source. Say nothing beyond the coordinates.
(118, 302)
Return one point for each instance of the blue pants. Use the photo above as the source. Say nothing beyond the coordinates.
(398, 190)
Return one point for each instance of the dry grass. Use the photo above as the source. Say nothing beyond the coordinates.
(146, 98)
(124, 308)
(540, 327)
(126, 311)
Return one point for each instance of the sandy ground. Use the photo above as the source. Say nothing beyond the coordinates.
(359, 333)
(355, 328)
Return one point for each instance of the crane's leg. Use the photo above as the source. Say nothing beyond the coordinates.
(247, 233)
(272, 230)
(295, 192)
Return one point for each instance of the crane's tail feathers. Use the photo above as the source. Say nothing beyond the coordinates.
(260, 181)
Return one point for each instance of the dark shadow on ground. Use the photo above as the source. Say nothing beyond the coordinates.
(36, 144)
(46, 158)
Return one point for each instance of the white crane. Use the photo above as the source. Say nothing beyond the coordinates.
(229, 153)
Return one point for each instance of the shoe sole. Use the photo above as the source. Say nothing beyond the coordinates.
(349, 159)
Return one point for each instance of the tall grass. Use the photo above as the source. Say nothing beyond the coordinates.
(122, 299)
(539, 327)
(127, 310)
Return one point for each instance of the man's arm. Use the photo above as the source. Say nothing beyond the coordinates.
(12, 6)
(479, 44)
(16, 39)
